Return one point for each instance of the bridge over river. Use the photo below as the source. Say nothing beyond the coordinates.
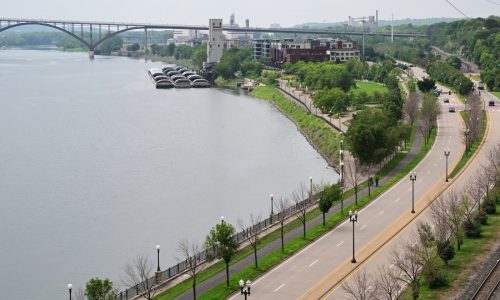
(98, 32)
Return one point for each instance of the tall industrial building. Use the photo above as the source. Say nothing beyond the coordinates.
(215, 45)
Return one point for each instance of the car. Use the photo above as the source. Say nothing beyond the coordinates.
(451, 109)
(491, 103)
(446, 100)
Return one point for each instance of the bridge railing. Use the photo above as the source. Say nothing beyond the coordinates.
(181, 267)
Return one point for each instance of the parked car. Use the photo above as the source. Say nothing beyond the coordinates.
(491, 103)
(451, 109)
(446, 100)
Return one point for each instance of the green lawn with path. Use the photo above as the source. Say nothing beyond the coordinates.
(369, 87)
(497, 94)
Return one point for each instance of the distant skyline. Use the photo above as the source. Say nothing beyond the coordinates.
(261, 13)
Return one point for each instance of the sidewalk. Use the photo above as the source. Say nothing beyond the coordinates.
(248, 261)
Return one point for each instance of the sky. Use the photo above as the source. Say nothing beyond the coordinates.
(261, 13)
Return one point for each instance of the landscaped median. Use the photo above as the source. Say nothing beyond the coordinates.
(473, 148)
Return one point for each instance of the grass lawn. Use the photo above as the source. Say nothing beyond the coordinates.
(497, 94)
(369, 88)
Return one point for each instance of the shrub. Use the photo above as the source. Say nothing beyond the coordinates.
(437, 280)
(481, 217)
(445, 250)
(472, 229)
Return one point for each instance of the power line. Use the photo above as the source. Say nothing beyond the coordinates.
(492, 2)
(457, 8)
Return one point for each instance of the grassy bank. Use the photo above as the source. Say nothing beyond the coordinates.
(473, 148)
(497, 94)
(320, 135)
(229, 84)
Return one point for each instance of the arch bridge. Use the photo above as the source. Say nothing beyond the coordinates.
(91, 33)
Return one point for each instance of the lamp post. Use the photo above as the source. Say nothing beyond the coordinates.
(245, 287)
(222, 219)
(353, 218)
(446, 154)
(310, 189)
(342, 173)
(70, 287)
(272, 205)
(413, 177)
(158, 257)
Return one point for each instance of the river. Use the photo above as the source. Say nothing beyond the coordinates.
(97, 167)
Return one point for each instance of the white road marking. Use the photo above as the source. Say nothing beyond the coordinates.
(380, 213)
(277, 289)
(397, 200)
(362, 227)
(340, 243)
(313, 263)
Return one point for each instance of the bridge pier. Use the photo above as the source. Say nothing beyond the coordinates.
(91, 54)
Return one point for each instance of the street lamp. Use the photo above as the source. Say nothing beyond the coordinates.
(70, 287)
(446, 154)
(310, 189)
(272, 205)
(222, 219)
(245, 287)
(158, 256)
(353, 217)
(342, 173)
(413, 177)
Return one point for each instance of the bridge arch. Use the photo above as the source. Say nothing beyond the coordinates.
(108, 36)
(89, 46)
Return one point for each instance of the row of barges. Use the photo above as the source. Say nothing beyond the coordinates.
(179, 77)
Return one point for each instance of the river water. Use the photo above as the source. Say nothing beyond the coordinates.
(97, 167)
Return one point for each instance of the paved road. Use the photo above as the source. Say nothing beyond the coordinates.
(326, 260)
(382, 257)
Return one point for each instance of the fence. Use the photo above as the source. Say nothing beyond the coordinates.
(241, 237)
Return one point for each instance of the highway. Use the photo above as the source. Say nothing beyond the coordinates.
(382, 257)
(314, 270)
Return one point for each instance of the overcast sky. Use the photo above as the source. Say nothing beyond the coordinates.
(260, 12)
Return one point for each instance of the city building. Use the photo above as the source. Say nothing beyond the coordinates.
(215, 46)
(341, 50)
(261, 49)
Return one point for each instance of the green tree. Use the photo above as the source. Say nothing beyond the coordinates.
(331, 193)
(110, 45)
(199, 56)
(100, 289)
(332, 100)
(426, 84)
(445, 250)
(134, 47)
(367, 136)
(222, 241)
(170, 51)
(454, 61)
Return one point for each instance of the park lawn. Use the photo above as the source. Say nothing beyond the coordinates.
(497, 94)
(369, 88)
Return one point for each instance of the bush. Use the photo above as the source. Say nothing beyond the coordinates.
(437, 280)
(472, 229)
(445, 250)
(481, 217)
(489, 206)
